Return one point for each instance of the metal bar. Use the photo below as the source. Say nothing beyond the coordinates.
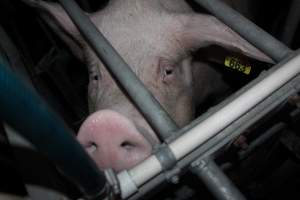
(252, 33)
(209, 128)
(217, 182)
(278, 55)
(229, 133)
(151, 109)
(243, 123)
(233, 130)
(24, 110)
(157, 117)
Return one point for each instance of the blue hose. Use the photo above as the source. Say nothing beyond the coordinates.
(23, 109)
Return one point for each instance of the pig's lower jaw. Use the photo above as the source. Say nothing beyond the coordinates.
(113, 141)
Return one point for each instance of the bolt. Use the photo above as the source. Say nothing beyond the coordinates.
(174, 180)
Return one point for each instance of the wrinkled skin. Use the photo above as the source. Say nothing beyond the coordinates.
(157, 39)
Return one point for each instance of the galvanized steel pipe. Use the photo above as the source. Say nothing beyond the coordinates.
(252, 33)
(217, 182)
(219, 120)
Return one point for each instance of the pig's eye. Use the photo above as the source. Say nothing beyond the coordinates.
(94, 81)
(94, 74)
(167, 70)
(168, 73)
(95, 77)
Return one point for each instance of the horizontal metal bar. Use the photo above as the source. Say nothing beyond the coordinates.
(243, 123)
(219, 120)
(24, 110)
(252, 33)
(157, 117)
(229, 133)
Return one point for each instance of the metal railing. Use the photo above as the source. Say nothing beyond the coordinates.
(156, 116)
(208, 137)
(162, 124)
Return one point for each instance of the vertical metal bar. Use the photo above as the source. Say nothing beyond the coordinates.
(215, 180)
(255, 35)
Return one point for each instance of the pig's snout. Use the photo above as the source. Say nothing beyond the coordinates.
(113, 141)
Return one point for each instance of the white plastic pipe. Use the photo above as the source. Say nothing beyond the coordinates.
(215, 123)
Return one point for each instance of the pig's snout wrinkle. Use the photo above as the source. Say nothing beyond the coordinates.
(113, 141)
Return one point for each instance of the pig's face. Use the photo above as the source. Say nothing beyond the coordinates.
(156, 39)
(156, 57)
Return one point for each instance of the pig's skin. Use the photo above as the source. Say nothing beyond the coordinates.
(156, 38)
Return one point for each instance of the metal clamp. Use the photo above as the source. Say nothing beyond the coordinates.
(168, 163)
(165, 157)
(113, 184)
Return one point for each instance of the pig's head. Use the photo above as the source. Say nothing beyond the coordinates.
(157, 39)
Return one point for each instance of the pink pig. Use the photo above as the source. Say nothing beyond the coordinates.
(158, 39)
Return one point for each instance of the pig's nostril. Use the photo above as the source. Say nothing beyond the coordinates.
(127, 145)
(91, 147)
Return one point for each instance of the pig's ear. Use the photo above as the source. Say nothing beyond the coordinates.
(201, 30)
(54, 15)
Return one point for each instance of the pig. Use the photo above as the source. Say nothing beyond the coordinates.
(158, 39)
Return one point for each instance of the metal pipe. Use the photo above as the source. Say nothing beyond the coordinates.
(24, 110)
(219, 120)
(217, 182)
(243, 123)
(157, 117)
(252, 33)
(230, 132)
(236, 108)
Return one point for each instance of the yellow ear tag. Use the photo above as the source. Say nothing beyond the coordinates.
(236, 64)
